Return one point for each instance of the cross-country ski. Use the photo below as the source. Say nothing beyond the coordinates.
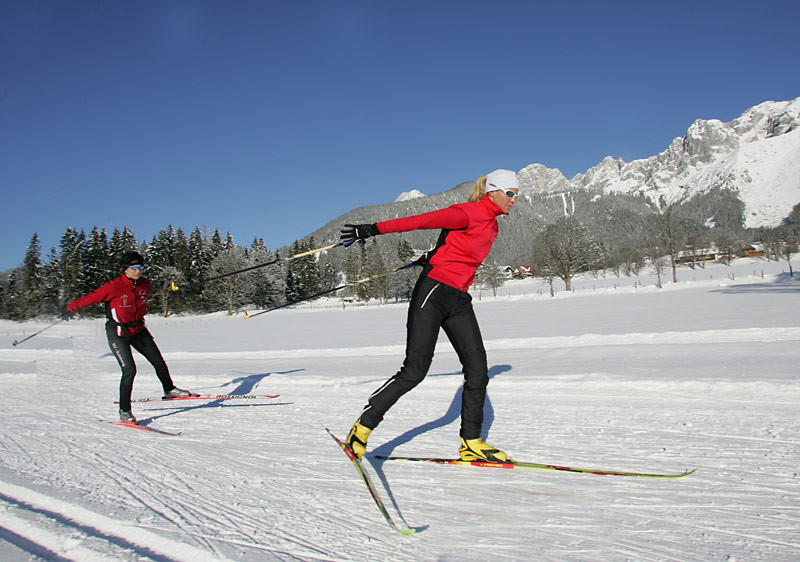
(204, 397)
(537, 466)
(373, 491)
(142, 427)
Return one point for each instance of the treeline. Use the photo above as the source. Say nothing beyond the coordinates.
(559, 235)
(80, 264)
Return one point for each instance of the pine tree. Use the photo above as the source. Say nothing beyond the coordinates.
(229, 243)
(12, 299)
(305, 268)
(31, 281)
(214, 247)
(292, 287)
(328, 278)
(198, 262)
(51, 294)
(404, 280)
(163, 256)
(70, 264)
(120, 243)
(264, 290)
(96, 266)
(3, 292)
(376, 265)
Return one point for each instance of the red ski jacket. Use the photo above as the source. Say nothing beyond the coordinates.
(126, 303)
(470, 229)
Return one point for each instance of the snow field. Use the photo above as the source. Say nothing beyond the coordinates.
(698, 374)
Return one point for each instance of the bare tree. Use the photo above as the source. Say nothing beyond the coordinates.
(697, 248)
(233, 289)
(658, 266)
(727, 244)
(789, 246)
(162, 279)
(563, 250)
(490, 274)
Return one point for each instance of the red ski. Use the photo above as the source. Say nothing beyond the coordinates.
(207, 397)
(142, 427)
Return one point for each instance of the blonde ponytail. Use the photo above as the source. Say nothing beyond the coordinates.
(478, 191)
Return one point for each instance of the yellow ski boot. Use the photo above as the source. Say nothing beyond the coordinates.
(357, 439)
(477, 450)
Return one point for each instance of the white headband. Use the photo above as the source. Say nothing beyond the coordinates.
(501, 180)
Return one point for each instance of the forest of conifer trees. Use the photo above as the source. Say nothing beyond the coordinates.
(81, 264)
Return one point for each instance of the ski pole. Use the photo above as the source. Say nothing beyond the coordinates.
(322, 293)
(17, 342)
(175, 287)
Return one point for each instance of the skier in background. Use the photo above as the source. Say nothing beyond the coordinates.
(440, 300)
(125, 301)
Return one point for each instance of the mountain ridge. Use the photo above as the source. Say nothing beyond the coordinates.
(705, 158)
(733, 175)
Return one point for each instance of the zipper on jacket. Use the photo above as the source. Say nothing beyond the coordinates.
(135, 303)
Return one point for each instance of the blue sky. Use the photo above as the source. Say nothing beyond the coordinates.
(269, 119)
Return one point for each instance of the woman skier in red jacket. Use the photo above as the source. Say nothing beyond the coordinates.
(440, 300)
(125, 301)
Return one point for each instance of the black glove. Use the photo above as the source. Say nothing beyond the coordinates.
(352, 232)
(66, 315)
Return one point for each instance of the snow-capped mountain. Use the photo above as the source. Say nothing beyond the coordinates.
(726, 176)
(756, 156)
(408, 195)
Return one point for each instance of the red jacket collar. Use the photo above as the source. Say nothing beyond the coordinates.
(487, 203)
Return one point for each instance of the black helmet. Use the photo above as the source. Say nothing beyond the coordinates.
(132, 258)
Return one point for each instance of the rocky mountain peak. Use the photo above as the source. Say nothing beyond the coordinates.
(703, 159)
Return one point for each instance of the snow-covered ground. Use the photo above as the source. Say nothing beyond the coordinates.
(618, 374)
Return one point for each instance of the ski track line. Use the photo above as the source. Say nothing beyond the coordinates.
(164, 507)
(712, 530)
(190, 512)
(250, 525)
(749, 335)
(187, 514)
(118, 532)
(155, 505)
(685, 433)
(45, 544)
(258, 546)
(651, 513)
(195, 517)
(627, 548)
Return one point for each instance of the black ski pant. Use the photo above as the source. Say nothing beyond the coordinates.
(143, 343)
(435, 305)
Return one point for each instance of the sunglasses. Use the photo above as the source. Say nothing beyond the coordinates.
(136, 267)
(508, 193)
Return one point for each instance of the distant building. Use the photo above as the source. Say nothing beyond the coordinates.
(522, 272)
